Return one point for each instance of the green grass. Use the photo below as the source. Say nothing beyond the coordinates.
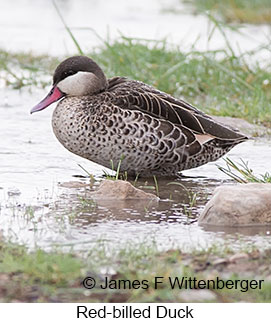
(35, 276)
(221, 86)
(56, 268)
(26, 69)
(241, 11)
(115, 172)
(40, 276)
(228, 86)
(242, 173)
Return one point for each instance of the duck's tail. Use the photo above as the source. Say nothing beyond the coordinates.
(213, 150)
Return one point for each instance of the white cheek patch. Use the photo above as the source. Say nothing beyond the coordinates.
(76, 84)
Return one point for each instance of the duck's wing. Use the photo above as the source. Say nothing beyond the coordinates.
(135, 95)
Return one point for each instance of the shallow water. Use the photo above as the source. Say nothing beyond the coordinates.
(36, 210)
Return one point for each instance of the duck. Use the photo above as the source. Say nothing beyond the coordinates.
(117, 120)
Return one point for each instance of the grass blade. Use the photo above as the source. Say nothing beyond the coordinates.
(68, 29)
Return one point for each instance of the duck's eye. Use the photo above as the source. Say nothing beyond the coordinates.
(69, 73)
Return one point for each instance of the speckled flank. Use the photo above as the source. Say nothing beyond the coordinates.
(153, 132)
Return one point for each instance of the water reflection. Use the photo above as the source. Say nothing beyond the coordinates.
(76, 219)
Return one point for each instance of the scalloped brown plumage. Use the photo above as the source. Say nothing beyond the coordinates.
(121, 119)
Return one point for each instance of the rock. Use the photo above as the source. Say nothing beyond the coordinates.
(238, 257)
(249, 129)
(238, 205)
(220, 261)
(120, 190)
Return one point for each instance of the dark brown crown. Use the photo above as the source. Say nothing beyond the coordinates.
(75, 64)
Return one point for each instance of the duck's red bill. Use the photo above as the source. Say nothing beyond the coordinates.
(54, 95)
